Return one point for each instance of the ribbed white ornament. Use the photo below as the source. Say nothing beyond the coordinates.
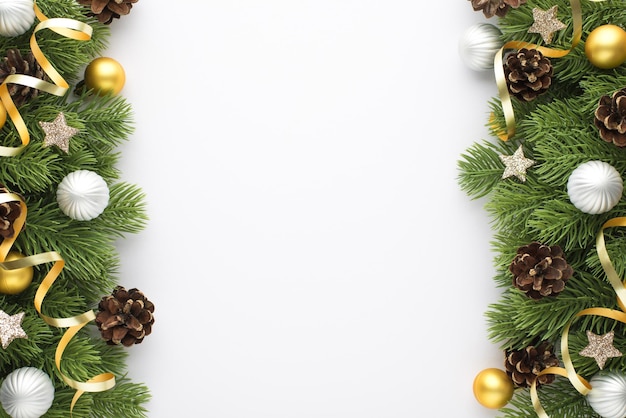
(16, 17)
(26, 392)
(83, 195)
(595, 187)
(608, 394)
(478, 46)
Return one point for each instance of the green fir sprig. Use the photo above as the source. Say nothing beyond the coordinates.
(88, 248)
(557, 131)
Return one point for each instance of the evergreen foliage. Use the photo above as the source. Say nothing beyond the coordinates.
(88, 248)
(558, 133)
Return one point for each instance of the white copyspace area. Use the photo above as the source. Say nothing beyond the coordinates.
(309, 251)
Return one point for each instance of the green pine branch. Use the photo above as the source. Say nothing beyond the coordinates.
(92, 263)
(557, 131)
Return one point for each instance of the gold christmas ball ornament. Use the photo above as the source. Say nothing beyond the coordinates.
(15, 281)
(493, 388)
(605, 46)
(105, 76)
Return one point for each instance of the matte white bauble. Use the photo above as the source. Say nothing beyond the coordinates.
(26, 393)
(16, 17)
(595, 187)
(83, 195)
(478, 46)
(608, 395)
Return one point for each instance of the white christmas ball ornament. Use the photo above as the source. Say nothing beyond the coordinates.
(595, 187)
(608, 394)
(26, 393)
(16, 17)
(478, 46)
(83, 195)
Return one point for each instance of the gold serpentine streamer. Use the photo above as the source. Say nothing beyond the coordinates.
(99, 383)
(79, 31)
(503, 91)
(569, 371)
(68, 28)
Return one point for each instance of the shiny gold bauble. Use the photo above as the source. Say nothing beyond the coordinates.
(605, 46)
(15, 281)
(493, 388)
(105, 76)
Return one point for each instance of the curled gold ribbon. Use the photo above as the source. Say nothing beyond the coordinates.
(503, 91)
(68, 28)
(74, 324)
(79, 31)
(569, 371)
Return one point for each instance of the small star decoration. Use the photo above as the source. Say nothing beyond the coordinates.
(58, 133)
(600, 347)
(546, 23)
(11, 328)
(516, 164)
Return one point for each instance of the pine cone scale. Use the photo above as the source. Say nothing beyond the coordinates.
(120, 8)
(97, 6)
(552, 274)
(118, 334)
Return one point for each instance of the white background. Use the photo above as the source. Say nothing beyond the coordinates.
(309, 250)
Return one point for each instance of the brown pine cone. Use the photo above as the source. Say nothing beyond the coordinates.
(610, 118)
(126, 317)
(528, 74)
(522, 366)
(107, 10)
(540, 270)
(9, 212)
(14, 63)
(498, 8)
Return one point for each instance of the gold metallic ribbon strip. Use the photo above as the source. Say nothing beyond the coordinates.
(79, 31)
(569, 371)
(98, 383)
(503, 91)
(533, 389)
(68, 28)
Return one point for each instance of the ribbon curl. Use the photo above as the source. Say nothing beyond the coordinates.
(79, 31)
(68, 28)
(99, 383)
(569, 371)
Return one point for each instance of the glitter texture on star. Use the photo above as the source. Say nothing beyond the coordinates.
(516, 164)
(600, 348)
(58, 133)
(11, 328)
(546, 23)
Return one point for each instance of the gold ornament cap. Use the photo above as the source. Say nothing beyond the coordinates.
(15, 281)
(493, 388)
(605, 46)
(104, 76)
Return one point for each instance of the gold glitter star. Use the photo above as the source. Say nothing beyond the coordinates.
(58, 133)
(516, 164)
(11, 328)
(546, 23)
(600, 347)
